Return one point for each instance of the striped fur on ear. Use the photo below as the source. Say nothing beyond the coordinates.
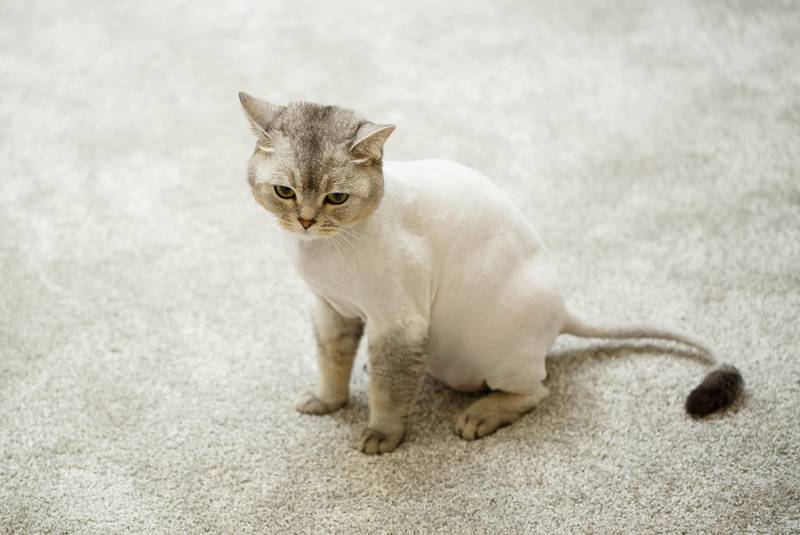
(369, 140)
(259, 114)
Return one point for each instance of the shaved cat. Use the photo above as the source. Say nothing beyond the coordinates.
(430, 259)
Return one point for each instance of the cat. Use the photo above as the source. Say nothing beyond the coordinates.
(432, 261)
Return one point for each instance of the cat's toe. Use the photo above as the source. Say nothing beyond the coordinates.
(474, 426)
(311, 404)
(372, 442)
(489, 426)
(465, 426)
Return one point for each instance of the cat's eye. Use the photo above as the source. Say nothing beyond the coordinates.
(284, 192)
(336, 198)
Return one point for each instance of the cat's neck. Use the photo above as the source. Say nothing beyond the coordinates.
(356, 241)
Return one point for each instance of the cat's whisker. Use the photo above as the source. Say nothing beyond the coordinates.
(344, 254)
(361, 242)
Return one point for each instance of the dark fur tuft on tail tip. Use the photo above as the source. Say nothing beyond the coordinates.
(719, 390)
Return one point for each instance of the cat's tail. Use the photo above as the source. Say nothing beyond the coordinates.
(719, 388)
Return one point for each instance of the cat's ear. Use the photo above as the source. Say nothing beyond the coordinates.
(369, 140)
(259, 113)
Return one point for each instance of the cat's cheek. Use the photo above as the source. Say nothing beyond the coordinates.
(343, 215)
(265, 202)
(288, 227)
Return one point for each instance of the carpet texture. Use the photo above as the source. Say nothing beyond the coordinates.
(153, 337)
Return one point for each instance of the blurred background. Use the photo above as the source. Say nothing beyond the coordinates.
(153, 336)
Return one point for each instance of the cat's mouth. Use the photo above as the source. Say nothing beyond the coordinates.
(318, 229)
(314, 233)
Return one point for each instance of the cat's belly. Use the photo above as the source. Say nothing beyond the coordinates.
(495, 336)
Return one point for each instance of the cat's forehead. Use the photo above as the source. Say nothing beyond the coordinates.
(312, 143)
(311, 126)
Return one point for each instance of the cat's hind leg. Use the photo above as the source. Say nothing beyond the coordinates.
(517, 387)
(337, 343)
(495, 410)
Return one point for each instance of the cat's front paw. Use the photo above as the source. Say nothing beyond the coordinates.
(310, 404)
(372, 441)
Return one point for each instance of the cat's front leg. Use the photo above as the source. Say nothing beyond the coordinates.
(337, 343)
(397, 361)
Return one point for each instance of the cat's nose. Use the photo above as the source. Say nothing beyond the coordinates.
(306, 222)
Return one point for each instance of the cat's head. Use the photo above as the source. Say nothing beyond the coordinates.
(318, 169)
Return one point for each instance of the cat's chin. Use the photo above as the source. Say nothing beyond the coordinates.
(310, 235)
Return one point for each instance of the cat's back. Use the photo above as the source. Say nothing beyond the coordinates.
(445, 199)
(435, 180)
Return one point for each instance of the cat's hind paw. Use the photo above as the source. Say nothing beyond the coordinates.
(471, 426)
(310, 404)
(372, 441)
(495, 410)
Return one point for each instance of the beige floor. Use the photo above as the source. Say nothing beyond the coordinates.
(153, 336)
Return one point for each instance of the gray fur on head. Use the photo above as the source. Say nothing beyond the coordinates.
(315, 150)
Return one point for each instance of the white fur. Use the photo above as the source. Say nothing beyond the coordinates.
(447, 249)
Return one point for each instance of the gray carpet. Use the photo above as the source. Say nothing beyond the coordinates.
(153, 337)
